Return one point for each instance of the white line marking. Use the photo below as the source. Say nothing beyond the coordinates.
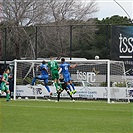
(74, 108)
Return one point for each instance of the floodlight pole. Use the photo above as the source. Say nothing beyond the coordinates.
(123, 9)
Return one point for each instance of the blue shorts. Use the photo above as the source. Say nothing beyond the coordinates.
(67, 77)
(43, 77)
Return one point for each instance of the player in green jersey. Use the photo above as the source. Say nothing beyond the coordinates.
(4, 83)
(53, 66)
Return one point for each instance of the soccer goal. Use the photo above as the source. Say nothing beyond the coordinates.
(93, 79)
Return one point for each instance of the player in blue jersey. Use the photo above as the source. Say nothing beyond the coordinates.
(66, 74)
(44, 76)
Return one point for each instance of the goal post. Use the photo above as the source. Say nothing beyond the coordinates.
(108, 79)
(101, 79)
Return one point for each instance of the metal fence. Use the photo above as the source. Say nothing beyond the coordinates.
(42, 41)
(84, 41)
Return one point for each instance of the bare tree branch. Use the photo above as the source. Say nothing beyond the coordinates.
(53, 12)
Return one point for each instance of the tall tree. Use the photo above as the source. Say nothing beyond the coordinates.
(65, 12)
(22, 13)
(116, 19)
(104, 33)
(51, 12)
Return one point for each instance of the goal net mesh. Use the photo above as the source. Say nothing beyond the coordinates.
(93, 79)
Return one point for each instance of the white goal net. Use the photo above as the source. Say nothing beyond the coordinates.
(93, 79)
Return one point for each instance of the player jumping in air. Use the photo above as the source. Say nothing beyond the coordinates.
(66, 74)
(64, 87)
(44, 76)
(4, 83)
(53, 66)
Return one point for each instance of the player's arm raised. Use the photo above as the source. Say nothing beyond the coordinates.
(73, 66)
(59, 70)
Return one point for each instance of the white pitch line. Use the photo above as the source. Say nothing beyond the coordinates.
(93, 109)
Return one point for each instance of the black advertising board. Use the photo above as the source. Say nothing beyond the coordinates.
(122, 43)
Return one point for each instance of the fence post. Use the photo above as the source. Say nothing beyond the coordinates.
(5, 40)
(70, 42)
(107, 48)
(36, 42)
(107, 41)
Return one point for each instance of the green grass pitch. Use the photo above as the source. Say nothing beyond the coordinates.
(26, 116)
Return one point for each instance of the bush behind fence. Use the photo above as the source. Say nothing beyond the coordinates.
(84, 41)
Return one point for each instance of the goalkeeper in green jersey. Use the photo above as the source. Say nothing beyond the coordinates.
(53, 66)
(4, 83)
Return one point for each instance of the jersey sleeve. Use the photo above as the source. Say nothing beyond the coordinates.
(60, 66)
(57, 65)
(44, 67)
(69, 65)
(40, 67)
(5, 77)
(48, 64)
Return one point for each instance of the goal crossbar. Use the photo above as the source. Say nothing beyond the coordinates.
(98, 62)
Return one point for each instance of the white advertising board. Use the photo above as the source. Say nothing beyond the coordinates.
(82, 92)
